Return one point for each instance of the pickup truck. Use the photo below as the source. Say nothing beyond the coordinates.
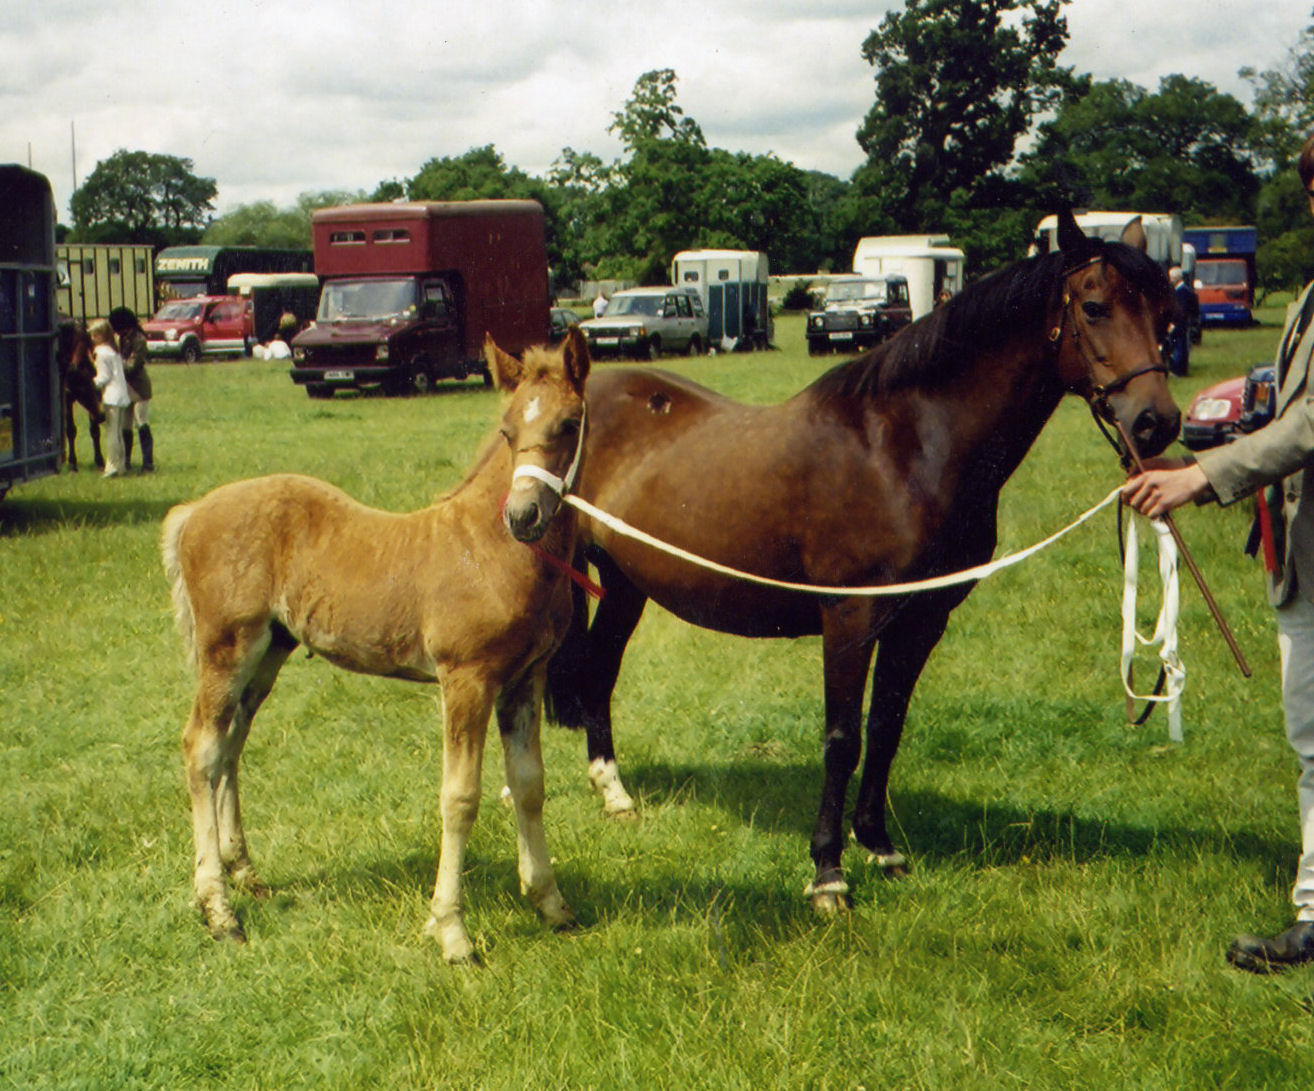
(202, 325)
(859, 312)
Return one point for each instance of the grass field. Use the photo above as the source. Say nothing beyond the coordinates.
(1074, 880)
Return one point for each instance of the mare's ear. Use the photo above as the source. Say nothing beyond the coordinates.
(505, 369)
(1134, 235)
(1071, 239)
(575, 358)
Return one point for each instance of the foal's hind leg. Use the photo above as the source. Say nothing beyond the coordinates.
(518, 719)
(232, 840)
(211, 747)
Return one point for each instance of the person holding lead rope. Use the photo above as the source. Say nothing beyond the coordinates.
(1276, 455)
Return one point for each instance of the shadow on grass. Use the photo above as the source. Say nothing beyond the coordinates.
(30, 517)
(937, 831)
(933, 827)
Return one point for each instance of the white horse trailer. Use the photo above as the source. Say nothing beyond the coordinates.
(1163, 235)
(928, 262)
(733, 287)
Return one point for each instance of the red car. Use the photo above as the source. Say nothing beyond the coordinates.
(1219, 412)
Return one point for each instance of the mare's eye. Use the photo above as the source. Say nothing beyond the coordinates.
(1095, 311)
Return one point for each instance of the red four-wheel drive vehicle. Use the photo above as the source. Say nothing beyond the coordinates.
(201, 325)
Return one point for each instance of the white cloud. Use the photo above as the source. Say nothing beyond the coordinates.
(273, 100)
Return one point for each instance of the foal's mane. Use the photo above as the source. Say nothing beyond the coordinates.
(983, 316)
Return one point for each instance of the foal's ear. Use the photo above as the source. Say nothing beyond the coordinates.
(1134, 235)
(575, 358)
(505, 369)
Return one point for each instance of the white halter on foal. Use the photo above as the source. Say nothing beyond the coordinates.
(559, 485)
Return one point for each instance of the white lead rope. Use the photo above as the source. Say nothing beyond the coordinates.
(1165, 628)
(967, 575)
(1165, 632)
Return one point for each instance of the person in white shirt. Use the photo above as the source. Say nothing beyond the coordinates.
(116, 399)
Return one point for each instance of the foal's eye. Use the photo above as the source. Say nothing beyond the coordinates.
(505, 433)
(1095, 311)
(570, 426)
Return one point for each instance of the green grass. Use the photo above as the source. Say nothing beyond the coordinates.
(1075, 881)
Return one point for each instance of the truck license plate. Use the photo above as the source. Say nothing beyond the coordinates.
(339, 376)
(841, 336)
(608, 341)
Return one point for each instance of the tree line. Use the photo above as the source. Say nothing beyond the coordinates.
(975, 131)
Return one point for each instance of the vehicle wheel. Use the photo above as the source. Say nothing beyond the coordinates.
(423, 382)
(652, 350)
(319, 390)
(191, 352)
(816, 349)
(695, 346)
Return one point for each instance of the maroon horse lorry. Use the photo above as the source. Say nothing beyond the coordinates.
(411, 288)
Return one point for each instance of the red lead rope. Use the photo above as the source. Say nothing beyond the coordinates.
(561, 566)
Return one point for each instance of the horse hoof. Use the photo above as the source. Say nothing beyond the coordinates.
(628, 814)
(829, 897)
(894, 865)
(227, 931)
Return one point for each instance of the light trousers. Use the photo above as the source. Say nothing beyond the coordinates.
(1296, 643)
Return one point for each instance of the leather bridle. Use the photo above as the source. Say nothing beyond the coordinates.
(1097, 394)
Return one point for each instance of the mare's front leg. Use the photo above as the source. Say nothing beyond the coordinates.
(582, 677)
(467, 704)
(905, 645)
(847, 642)
(519, 709)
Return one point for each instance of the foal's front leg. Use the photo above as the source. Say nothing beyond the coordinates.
(467, 705)
(519, 709)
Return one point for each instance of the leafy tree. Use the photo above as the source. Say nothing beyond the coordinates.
(139, 197)
(958, 83)
(263, 224)
(1284, 101)
(650, 114)
(1186, 148)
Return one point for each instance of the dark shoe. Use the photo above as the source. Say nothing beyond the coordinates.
(147, 449)
(1294, 947)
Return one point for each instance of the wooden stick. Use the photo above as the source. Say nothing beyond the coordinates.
(1191, 566)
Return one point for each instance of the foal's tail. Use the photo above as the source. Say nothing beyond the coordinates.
(170, 536)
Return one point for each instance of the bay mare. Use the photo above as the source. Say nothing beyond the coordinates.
(449, 594)
(886, 469)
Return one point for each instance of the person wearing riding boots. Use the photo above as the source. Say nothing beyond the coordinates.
(132, 346)
(1274, 459)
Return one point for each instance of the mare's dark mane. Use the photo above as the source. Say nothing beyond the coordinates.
(983, 316)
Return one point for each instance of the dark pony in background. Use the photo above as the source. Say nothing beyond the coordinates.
(77, 376)
(886, 469)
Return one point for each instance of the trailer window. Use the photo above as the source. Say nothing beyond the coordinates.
(392, 234)
(347, 238)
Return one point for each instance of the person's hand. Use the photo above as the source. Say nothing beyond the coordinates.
(1168, 484)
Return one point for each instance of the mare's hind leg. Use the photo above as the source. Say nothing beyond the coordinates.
(232, 840)
(227, 661)
(518, 719)
(905, 646)
(582, 676)
(467, 705)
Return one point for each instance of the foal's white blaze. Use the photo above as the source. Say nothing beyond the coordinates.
(533, 410)
(605, 777)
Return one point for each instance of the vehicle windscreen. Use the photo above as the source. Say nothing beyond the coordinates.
(373, 300)
(849, 291)
(1213, 274)
(179, 311)
(634, 304)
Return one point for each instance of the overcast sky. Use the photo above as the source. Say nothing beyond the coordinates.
(273, 99)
